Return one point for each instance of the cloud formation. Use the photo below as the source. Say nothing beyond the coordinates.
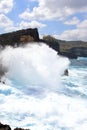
(70, 13)
(54, 9)
(73, 21)
(5, 21)
(79, 33)
(6, 6)
(32, 24)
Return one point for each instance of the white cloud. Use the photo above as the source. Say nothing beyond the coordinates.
(73, 21)
(5, 21)
(11, 28)
(80, 33)
(32, 24)
(8, 25)
(6, 6)
(24, 25)
(83, 25)
(55, 9)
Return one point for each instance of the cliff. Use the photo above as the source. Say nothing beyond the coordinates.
(19, 37)
(51, 42)
(71, 49)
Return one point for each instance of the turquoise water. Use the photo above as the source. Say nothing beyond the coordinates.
(76, 83)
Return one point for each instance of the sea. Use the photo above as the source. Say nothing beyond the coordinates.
(34, 92)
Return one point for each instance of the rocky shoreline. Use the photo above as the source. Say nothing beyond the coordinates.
(70, 49)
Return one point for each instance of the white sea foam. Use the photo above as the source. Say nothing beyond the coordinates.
(32, 98)
(54, 111)
(34, 65)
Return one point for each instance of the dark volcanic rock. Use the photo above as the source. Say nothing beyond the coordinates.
(4, 127)
(51, 42)
(70, 49)
(20, 129)
(7, 127)
(19, 37)
(66, 73)
(75, 52)
(3, 71)
(79, 51)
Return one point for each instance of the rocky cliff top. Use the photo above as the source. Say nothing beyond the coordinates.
(19, 37)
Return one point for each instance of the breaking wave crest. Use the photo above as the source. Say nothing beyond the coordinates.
(33, 66)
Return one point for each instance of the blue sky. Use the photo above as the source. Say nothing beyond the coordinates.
(63, 19)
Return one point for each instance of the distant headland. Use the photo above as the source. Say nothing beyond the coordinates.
(71, 49)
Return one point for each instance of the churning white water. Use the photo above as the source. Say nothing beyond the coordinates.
(34, 66)
(34, 96)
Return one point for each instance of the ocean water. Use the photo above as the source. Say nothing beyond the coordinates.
(36, 94)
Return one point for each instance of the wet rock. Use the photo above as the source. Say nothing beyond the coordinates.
(66, 72)
(3, 71)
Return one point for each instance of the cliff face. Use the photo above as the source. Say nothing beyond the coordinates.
(19, 37)
(71, 49)
(51, 42)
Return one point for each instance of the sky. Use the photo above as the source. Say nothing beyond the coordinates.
(63, 19)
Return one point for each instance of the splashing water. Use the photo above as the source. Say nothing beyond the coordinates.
(34, 96)
(35, 65)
